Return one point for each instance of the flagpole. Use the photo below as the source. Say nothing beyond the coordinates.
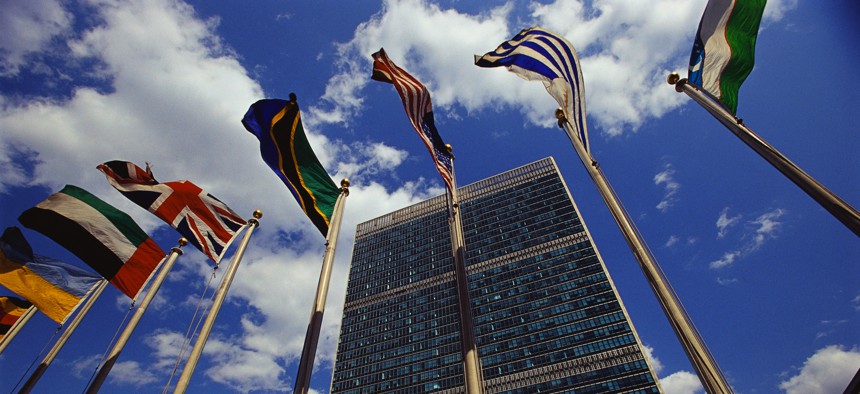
(706, 367)
(220, 295)
(306, 363)
(843, 211)
(13, 331)
(49, 358)
(473, 375)
(135, 319)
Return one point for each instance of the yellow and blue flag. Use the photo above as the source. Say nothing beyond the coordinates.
(54, 287)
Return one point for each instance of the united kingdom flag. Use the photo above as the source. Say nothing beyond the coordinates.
(205, 221)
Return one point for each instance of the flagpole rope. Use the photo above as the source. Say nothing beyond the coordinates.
(110, 344)
(190, 333)
(38, 356)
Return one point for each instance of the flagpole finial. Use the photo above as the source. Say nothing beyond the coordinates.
(673, 78)
(182, 242)
(559, 114)
(292, 97)
(344, 183)
(258, 214)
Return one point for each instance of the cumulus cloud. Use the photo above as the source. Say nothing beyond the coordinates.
(829, 370)
(666, 178)
(680, 382)
(757, 232)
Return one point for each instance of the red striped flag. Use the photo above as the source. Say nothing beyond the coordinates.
(416, 101)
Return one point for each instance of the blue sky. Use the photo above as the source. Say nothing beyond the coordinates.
(768, 276)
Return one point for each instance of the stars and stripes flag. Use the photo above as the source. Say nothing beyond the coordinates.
(205, 221)
(724, 49)
(537, 54)
(419, 109)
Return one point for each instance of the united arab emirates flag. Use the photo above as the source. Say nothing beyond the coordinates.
(102, 236)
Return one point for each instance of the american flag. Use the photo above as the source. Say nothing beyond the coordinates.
(416, 101)
(539, 54)
(205, 221)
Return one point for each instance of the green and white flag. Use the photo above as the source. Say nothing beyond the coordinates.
(105, 238)
(724, 50)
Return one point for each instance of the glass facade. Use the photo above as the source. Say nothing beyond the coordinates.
(546, 315)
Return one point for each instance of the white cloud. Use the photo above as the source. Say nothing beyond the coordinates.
(724, 222)
(673, 239)
(666, 178)
(131, 373)
(682, 382)
(829, 370)
(758, 231)
(726, 281)
(26, 27)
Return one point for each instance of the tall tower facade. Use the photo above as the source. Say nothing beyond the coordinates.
(546, 314)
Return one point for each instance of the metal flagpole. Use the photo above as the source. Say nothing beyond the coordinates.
(46, 362)
(472, 372)
(13, 331)
(844, 212)
(135, 319)
(220, 295)
(707, 369)
(306, 363)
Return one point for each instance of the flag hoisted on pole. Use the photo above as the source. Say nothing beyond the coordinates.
(554, 51)
(721, 59)
(278, 125)
(724, 49)
(14, 314)
(52, 286)
(537, 54)
(220, 295)
(202, 219)
(419, 110)
(135, 319)
(105, 238)
(285, 149)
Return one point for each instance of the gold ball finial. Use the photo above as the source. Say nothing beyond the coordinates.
(344, 182)
(559, 113)
(182, 241)
(449, 148)
(673, 78)
(258, 214)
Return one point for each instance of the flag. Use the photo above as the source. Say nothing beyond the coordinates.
(205, 221)
(11, 309)
(102, 236)
(419, 110)
(277, 124)
(724, 49)
(537, 54)
(54, 287)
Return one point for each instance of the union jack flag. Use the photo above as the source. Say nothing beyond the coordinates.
(419, 109)
(205, 221)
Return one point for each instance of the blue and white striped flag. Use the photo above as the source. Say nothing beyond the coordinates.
(538, 54)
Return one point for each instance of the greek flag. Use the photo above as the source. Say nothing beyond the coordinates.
(538, 54)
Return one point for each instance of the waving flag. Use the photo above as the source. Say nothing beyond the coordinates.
(419, 110)
(205, 221)
(278, 125)
(56, 288)
(724, 50)
(11, 309)
(537, 54)
(105, 238)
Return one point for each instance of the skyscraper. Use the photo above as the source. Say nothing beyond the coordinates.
(547, 317)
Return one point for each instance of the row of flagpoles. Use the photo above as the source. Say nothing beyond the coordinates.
(534, 54)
